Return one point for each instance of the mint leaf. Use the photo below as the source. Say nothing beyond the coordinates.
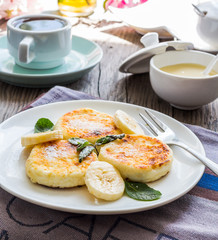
(43, 125)
(79, 142)
(141, 191)
(85, 152)
(109, 138)
(82, 145)
(85, 147)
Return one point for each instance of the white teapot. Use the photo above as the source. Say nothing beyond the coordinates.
(207, 26)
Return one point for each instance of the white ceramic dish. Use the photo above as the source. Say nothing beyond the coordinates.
(168, 18)
(83, 58)
(207, 25)
(180, 91)
(186, 170)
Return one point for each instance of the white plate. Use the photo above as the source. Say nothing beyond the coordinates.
(169, 18)
(185, 173)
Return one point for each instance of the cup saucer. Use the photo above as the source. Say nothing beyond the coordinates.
(84, 56)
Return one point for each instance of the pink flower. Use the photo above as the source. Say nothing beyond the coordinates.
(12, 8)
(122, 3)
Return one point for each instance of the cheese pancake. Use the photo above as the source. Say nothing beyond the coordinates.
(138, 157)
(86, 123)
(56, 164)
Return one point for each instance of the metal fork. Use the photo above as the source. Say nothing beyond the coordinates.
(167, 135)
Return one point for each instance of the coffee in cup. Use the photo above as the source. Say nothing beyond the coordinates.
(39, 41)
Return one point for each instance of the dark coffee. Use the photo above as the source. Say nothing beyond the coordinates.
(39, 24)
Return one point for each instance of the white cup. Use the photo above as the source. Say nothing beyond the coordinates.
(207, 26)
(183, 92)
(39, 41)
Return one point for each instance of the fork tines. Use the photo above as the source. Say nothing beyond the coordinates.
(152, 127)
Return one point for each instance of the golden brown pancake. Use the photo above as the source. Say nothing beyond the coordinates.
(86, 123)
(56, 164)
(138, 157)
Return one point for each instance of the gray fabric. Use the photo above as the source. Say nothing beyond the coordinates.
(193, 216)
(58, 94)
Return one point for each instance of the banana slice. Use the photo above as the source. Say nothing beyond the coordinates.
(36, 138)
(104, 181)
(126, 123)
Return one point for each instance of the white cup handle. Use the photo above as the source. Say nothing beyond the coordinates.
(25, 55)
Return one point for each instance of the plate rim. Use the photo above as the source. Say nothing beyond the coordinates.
(106, 211)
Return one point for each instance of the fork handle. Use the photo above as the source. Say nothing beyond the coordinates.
(206, 161)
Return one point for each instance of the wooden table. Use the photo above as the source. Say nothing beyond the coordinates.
(105, 81)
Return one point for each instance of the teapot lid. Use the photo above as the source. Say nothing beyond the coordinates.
(139, 61)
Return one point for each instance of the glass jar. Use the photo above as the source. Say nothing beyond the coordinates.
(76, 8)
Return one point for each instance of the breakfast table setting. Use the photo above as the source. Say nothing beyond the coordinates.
(107, 60)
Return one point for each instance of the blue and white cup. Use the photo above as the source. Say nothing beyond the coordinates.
(39, 41)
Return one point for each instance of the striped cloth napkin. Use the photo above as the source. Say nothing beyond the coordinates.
(193, 216)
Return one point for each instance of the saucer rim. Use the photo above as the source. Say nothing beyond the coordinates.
(11, 78)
